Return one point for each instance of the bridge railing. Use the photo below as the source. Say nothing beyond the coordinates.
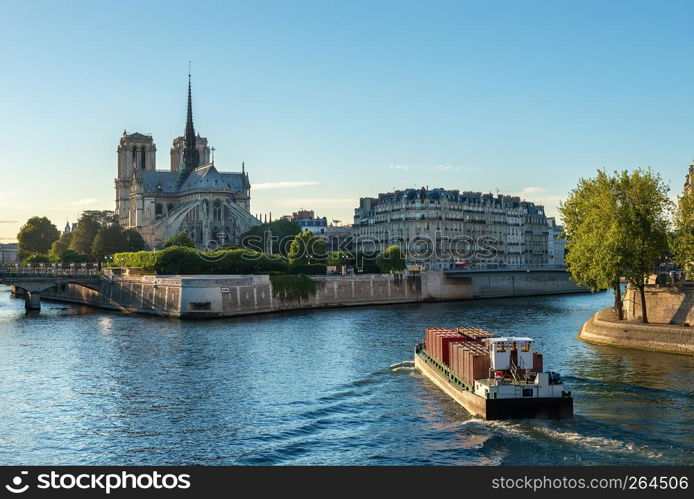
(505, 268)
(48, 270)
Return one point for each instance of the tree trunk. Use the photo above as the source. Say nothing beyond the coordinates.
(644, 314)
(618, 301)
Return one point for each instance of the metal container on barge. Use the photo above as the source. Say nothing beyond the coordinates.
(490, 376)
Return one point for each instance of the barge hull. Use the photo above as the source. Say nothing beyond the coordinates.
(546, 408)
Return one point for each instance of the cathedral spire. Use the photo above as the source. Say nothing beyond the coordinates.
(191, 156)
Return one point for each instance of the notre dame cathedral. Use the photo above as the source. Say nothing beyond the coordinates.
(192, 196)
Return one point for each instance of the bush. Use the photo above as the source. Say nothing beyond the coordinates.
(182, 260)
(365, 264)
(293, 287)
(179, 239)
(308, 269)
(391, 260)
(36, 258)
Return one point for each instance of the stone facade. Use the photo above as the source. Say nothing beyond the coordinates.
(440, 227)
(9, 253)
(556, 244)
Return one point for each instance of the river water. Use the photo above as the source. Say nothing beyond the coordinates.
(329, 387)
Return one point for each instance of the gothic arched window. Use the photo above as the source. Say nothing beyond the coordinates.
(158, 210)
(217, 210)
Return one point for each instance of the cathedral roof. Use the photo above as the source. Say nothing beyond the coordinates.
(207, 177)
(158, 181)
(203, 177)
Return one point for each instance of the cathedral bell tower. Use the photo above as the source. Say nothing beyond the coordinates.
(136, 152)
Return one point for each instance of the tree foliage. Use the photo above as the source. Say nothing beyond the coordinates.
(108, 241)
(133, 240)
(616, 226)
(272, 237)
(307, 248)
(590, 227)
(337, 258)
(391, 260)
(60, 246)
(61, 252)
(293, 287)
(181, 239)
(643, 205)
(88, 227)
(36, 236)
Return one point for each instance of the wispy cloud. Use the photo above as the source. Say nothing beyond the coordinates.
(402, 168)
(75, 205)
(540, 195)
(435, 168)
(264, 186)
(310, 203)
(533, 190)
(84, 202)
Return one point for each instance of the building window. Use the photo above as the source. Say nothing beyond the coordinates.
(217, 210)
(158, 210)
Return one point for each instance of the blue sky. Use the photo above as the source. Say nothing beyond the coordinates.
(330, 101)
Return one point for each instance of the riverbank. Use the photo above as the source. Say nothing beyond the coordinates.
(216, 296)
(604, 328)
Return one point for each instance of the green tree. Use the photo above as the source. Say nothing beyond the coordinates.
(683, 243)
(593, 255)
(108, 241)
(307, 248)
(70, 256)
(616, 226)
(88, 226)
(337, 258)
(642, 208)
(59, 247)
(391, 260)
(182, 239)
(133, 240)
(272, 237)
(36, 236)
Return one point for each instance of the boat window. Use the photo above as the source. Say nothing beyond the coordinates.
(526, 347)
(500, 347)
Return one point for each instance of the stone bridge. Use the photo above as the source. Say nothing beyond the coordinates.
(34, 280)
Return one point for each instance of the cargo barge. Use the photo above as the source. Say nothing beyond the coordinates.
(490, 376)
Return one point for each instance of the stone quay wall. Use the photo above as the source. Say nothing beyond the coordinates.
(209, 296)
(603, 328)
(664, 304)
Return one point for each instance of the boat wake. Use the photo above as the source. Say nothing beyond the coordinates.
(600, 444)
(538, 431)
(407, 365)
